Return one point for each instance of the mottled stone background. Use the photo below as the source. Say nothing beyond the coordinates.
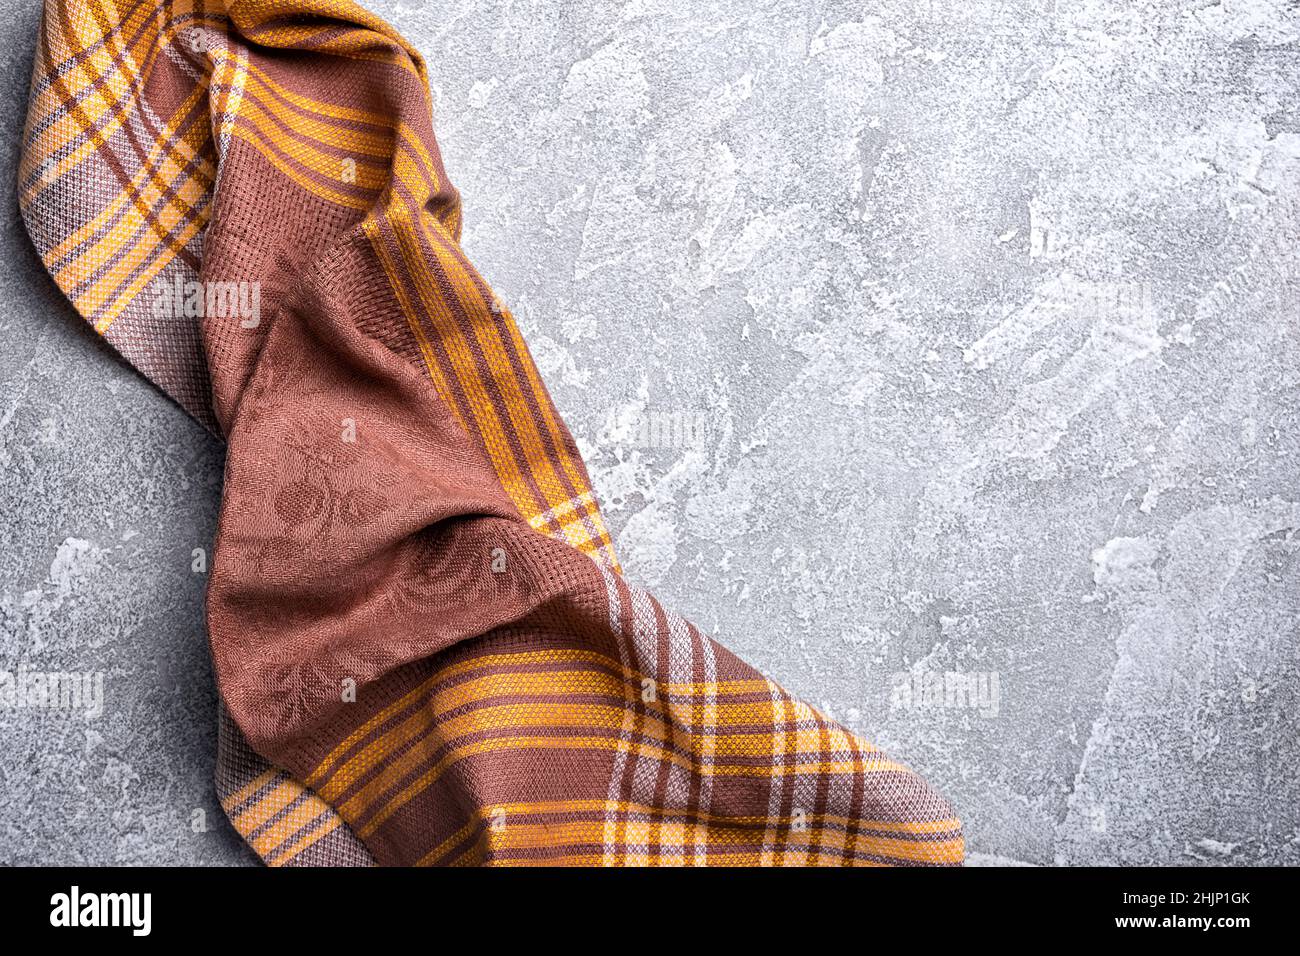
(905, 339)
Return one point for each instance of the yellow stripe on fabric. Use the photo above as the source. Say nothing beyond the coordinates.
(514, 469)
(293, 37)
(502, 378)
(543, 400)
(91, 59)
(603, 805)
(577, 512)
(325, 110)
(661, 836)
(707, 822)
(656, 736)
(549, 707)
(285, 792)
(53, 140)
(503, 349)
(319, 130)
(554, 656)
(372, 230)
(268, 806)
(306, 814)
(257, 126)
(252, 136)
(357, 48)
(569, 510)
(151, 181)
(368, 176)
(497, 355)
(136, 258)
(230, 801)
(414, 166)
(256, 22)
(736, 859)
(550, 415)
(456, 348)
(317, 135)
(479, 814)
(307, 840)
(129, 225)
(434, 773)
(89, 302)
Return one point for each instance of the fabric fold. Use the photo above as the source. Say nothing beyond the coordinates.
(426, 650)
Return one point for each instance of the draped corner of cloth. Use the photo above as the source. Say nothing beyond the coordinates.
(425, 648)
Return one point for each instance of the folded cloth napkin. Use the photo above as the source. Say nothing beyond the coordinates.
(425, 648)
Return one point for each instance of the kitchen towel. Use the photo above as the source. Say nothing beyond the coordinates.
(424, 645)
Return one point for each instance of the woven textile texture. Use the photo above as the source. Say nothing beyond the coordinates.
(426, 650)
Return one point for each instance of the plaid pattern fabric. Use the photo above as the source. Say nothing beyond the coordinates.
(426, 650)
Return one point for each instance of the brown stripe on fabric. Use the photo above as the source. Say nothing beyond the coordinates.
(627, 781)
(538, 405)
(471, 334)
(379, 161)
(46, 78)
(747, 855)
(672, 743)
(118, 109)
(166, 197)
(250, 131)
(307, 90)
(741, 826)
(167, 83)
(390, 235)
(425, 692)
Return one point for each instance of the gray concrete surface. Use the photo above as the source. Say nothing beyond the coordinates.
(909, 341)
